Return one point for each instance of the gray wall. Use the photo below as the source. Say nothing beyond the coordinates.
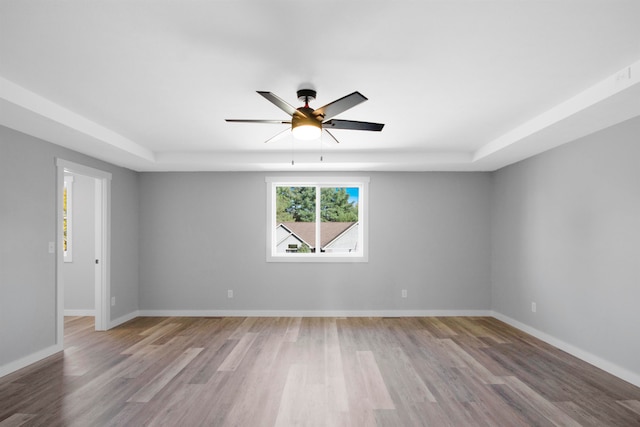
(79, 275)
(566, 233)
(28, 223)
(561, 229)
(204, 233)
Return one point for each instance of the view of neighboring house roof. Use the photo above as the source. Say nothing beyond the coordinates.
(329, 231)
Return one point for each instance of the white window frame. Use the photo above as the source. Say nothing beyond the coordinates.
(68, 185)
(363, 218)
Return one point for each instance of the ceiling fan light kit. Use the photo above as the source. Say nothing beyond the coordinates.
(305, 128)
(307, 123)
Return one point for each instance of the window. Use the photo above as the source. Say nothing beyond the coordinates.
(317, 219)
(67, 218)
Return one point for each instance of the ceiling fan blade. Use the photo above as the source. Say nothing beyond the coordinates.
(352, 125)
(340, 105)
(279, 102)
(279, 135)
(332, 137)
(275, 122)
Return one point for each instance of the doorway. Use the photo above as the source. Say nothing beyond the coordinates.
(98, 243)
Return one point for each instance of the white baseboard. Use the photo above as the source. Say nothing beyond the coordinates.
(44, 353)
(581, 354)
(313, 313)
(123, 319)
(80, 312)
(28, 360)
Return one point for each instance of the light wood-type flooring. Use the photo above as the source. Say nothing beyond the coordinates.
(437, 371)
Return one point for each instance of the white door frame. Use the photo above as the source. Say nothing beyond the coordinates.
(102, 248)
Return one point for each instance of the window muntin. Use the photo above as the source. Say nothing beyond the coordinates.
(295, 234)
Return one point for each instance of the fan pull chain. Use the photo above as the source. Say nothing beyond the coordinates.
(292, 162)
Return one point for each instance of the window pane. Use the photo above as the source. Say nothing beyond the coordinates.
(339, 227)
(67, 219)
(64, 218)
(317, 219)
(295, 219)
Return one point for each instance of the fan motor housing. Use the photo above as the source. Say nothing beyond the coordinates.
(306, 118)
(306, 95)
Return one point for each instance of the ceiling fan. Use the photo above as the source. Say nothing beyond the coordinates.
(307, 123)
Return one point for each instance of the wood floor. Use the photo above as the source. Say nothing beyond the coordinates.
(446, 371)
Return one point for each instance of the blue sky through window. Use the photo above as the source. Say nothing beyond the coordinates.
(353, 194)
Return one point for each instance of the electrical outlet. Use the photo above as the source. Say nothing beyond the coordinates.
(230, 293)
(113, 301)
(533, 307)
(404, 293)
(52, 247)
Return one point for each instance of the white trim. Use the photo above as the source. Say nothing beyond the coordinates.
(314, 313)
(79, 312)
(103, 244)
(59, 256)
(82, 169)
(29, 360)
(123, 319)
(324, 180)
(102, 251)
(581, 354)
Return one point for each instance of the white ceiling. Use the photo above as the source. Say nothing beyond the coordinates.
(460, 85)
